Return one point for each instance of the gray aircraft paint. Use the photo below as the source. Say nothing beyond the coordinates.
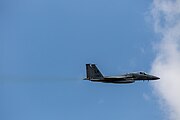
(93, 74)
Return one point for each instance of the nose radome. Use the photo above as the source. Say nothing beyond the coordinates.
(155, 78)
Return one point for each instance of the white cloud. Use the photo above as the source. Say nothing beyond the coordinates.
(166, 19)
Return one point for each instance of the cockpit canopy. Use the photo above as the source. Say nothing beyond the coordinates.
(142, 73)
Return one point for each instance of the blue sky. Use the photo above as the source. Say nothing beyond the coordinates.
(45, 44)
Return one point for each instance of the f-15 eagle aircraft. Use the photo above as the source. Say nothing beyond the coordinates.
(93, 74)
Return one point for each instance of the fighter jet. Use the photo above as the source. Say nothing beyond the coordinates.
(93, 74)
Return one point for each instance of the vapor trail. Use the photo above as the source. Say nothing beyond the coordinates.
(166, 20)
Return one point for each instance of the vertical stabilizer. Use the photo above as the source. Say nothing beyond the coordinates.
(88, 71)
(93, 72)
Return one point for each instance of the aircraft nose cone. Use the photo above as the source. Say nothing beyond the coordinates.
(155, 78)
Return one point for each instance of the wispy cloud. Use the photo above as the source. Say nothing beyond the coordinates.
(146, 97)
(166, 20)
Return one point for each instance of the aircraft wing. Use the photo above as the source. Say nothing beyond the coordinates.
(122, 77)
